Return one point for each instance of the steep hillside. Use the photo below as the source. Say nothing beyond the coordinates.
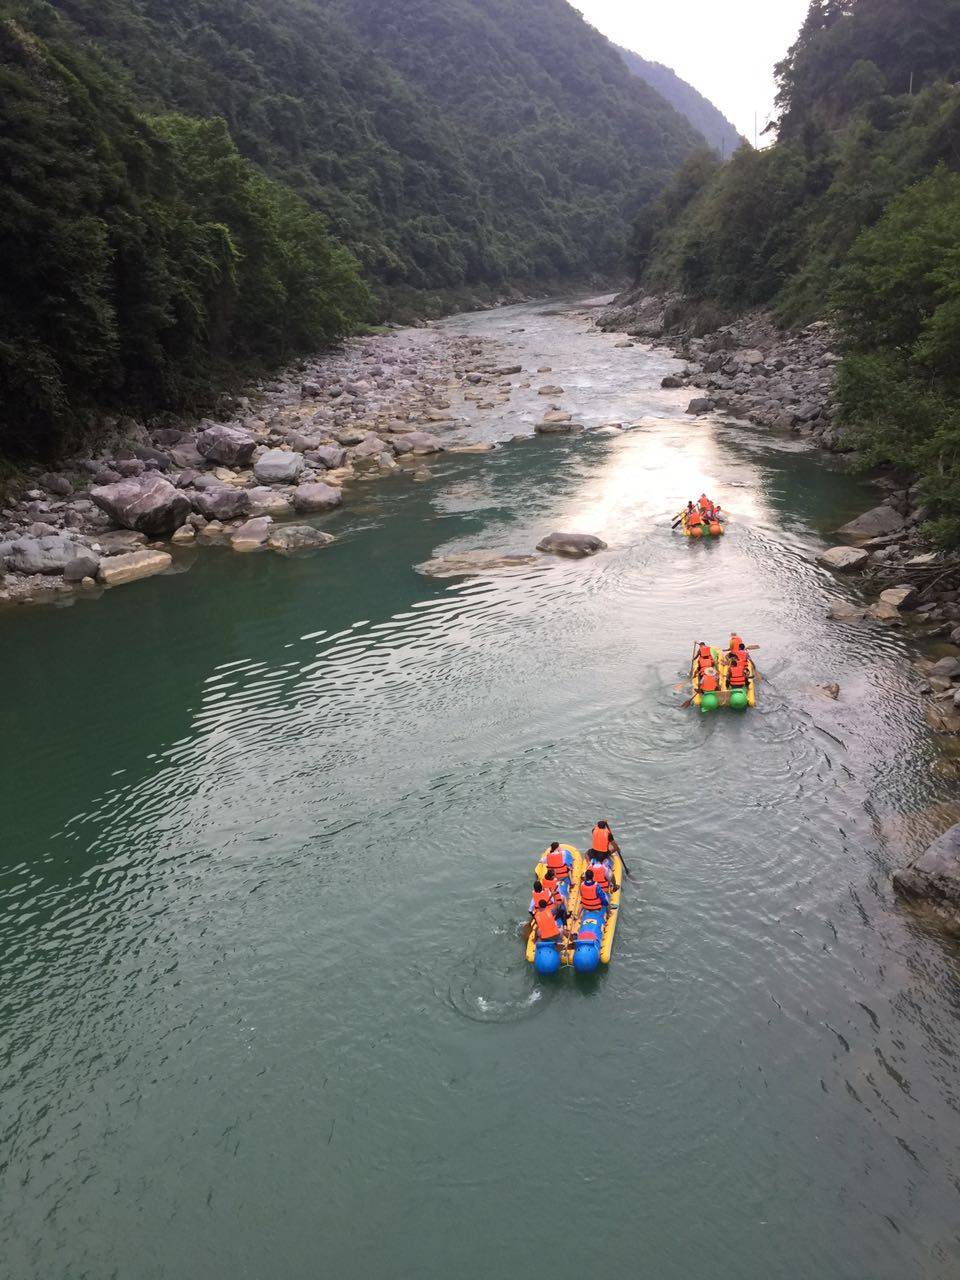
(449, 142)
(721, 135)
(179, 176)
(853, 213)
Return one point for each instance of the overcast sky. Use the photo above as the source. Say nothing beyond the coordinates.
(726, 49)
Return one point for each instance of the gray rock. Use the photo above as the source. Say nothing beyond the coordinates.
(106, 475)
(130, 467)
(147, 453)
(252, 535)
(844, 611)
(702, 404)
(232, 446)
(935, 876)
(875, 523)
(844, 559)
(316, 497)
(117, 541)
(56, 484)
(329, 456)
(422, 442)
(269, 502)
(50, 553)
(507, 370)
(671, 382)
(571, 544)
(278, 466)
(549, 428)
(222, 503)
(946, 668)
(900, 597)
(149, 504)
(82, 566)
(289, 538)
(310, 390)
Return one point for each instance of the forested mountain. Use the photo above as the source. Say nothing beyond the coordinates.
(191, 186)
(854, 213)
(721, 135)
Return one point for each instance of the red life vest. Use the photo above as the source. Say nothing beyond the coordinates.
(709, 682)
(589, 896)
(548, 890)
(547, 926)
(736, 644)
(694, 519)
(705, 505)
(601, 839)
(705, 657)
(557, 864)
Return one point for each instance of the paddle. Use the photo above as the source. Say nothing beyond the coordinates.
(626, 869)
(677, 520)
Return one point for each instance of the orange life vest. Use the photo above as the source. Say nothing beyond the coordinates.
(547, 926)
(600, 874)
(589, 896)
(601, 839)
(736, 644)
(693, 519)
(558, 865)
(548, 890)
(705, 504)
(705, 657)
(737, 671)
(709, 682)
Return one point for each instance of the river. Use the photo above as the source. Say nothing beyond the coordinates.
(269, 827)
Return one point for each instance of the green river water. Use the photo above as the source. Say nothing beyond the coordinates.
(269, 827)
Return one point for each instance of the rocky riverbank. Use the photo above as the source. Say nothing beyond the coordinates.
(784, 380)
(379, 406)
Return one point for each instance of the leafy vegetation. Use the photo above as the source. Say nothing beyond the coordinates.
(853, 212)
(142, 257)
(194, 187)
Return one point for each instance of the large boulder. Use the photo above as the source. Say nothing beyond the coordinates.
(278, 466)
(252, 535)
(422, 442)
(84, 565)
(50, 553)
(935, 877)
(149, 504)
(316, 497)
(136, 564)
(875, 523)
(269, 502)
(329, 456)
(902, 597)
(701, 404)
(576, 545)
(844, 559)
(223, 503)
(289, 538)
(232, 446)
(56, 484)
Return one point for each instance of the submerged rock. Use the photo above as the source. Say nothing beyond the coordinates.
(298, 537)
(934, 878)
(136, 564)
(462, 563)
(576, 545)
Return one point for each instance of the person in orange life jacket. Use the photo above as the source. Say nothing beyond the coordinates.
(706, 507)
(704, 656)
(694, 518)
(602, 843)
(738, 670)
(603, 875)
(709, 681)
(592, 897)
(736, 644)
(549, 889)
(559, 862)
(548, 923)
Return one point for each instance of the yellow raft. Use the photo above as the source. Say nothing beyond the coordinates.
(583, 958)
(713, 529)
(710, 701)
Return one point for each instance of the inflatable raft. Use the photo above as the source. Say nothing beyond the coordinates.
(591, 933)
(708, 529)
(738, 699)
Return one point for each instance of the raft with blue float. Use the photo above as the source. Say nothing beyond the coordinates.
(737, 699)
(591, 932)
